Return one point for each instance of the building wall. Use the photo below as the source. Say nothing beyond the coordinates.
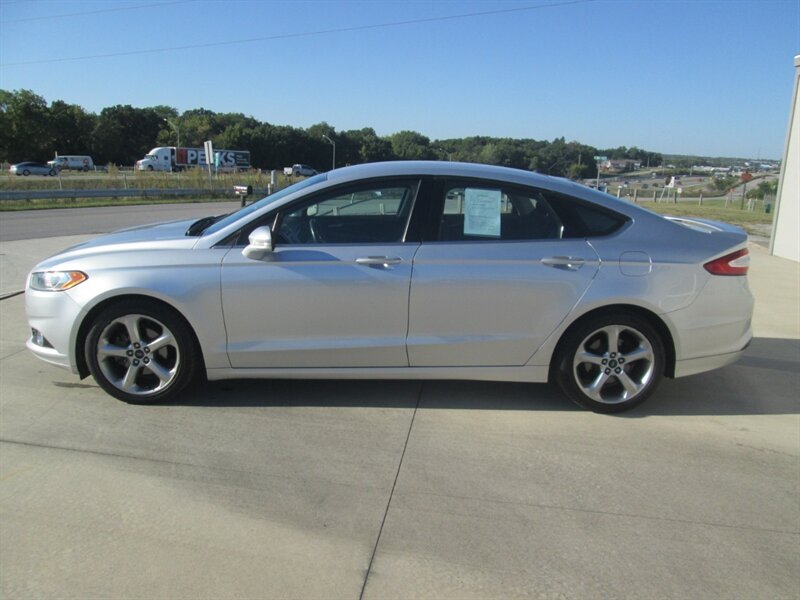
(786, 227)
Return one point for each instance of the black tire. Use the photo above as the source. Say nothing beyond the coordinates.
(149, 167)
(51, 173)
(127, 367)
(85, 168)
(26, 172)
(607, 379)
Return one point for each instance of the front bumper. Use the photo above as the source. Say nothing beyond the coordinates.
(55, 315)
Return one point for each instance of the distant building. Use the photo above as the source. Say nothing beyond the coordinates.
(619, 165)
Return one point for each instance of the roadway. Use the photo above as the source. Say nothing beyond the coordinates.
(57, 222)
(391, 489)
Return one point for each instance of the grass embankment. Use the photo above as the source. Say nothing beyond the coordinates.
(116, 179)
(219, 188)
(714, 210)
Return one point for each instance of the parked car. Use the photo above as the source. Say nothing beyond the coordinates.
(422, 270)
(31, 168)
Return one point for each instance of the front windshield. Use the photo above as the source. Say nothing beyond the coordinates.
(247, 210)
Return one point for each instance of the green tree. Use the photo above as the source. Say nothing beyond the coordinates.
(410, 145)
(70, 128)
(25, 123)
(124, 134)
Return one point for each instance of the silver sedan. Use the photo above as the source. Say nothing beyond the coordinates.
(32, 168)
(425, 270)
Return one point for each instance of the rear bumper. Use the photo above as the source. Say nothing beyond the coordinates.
(693, 366)
(715, 329)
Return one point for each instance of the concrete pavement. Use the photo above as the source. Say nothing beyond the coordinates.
(405, 489)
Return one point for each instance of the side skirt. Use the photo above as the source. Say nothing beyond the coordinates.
(528, 374)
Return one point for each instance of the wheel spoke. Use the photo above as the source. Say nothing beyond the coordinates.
(110, 350)
(631, 387)
(612, 333)
(131, 324)
(164, 375)
(595, 387)
(128, 383)
(640, 353)
(165, 339)
(588, 357)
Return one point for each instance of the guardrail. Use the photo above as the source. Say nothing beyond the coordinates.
(119, 193)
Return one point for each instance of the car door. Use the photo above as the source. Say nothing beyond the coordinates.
(495, 280)
(334, 291)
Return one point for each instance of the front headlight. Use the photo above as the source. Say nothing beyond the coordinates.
(56, 281)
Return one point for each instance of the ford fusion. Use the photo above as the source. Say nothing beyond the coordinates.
(423, 270)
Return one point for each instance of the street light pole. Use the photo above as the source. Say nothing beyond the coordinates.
(175, 127)
(334, 150)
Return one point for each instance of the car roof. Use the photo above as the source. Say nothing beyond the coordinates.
(452, 169)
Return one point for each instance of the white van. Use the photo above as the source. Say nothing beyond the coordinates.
(75, 163)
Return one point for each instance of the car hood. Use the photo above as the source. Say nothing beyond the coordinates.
(170, 230)
(158, 236)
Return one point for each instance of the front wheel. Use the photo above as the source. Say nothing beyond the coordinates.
(141, 352)
(610, 363)
(51, 173)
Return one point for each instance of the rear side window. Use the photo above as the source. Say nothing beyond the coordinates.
(483, 212)
(582, 219)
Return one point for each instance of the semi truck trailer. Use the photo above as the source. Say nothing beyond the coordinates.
(170, 158)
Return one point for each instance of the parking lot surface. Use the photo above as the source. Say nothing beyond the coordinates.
(389, 489)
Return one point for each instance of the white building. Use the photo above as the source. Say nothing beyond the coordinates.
(786, 226)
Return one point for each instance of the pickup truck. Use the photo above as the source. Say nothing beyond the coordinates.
(298, 170)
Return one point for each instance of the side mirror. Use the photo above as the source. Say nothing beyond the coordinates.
(260, 244)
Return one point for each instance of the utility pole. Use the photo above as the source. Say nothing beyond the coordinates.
(334, 150)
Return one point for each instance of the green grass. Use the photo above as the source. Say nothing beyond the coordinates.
(193, 178)
(219, 190)
(16, 205)
(714, 210)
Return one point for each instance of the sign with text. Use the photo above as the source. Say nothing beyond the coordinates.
(482, 212)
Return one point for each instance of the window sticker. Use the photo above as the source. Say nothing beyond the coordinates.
(482, 212)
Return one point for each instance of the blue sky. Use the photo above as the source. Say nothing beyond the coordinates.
(710, 78)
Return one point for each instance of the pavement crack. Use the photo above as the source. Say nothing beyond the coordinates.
(391, 494)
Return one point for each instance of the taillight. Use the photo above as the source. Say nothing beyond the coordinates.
(735, 263)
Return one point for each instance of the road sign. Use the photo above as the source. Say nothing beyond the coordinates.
(209, 150)
(601, 158)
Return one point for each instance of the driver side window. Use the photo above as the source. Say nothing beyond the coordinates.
(372, 214)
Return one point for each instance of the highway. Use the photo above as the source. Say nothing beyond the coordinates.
(58, 222)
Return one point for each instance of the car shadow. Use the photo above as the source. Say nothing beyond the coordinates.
(764, 381)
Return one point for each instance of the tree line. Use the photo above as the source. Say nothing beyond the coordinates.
(30, 129)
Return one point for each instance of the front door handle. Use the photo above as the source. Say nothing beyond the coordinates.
(379, 261)
(567, 263)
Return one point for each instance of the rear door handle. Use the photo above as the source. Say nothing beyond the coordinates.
(379, 261)
(567, 263)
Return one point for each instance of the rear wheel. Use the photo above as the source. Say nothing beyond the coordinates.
(141, 352)
(610, 363)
